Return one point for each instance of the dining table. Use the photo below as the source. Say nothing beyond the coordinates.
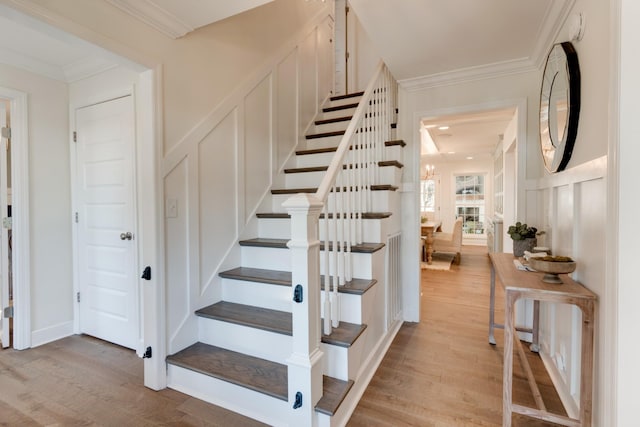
(427, 229)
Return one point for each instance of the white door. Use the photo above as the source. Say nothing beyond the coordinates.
(5, 335)
(107, 267)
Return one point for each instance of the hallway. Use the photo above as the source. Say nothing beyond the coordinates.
(443, 372)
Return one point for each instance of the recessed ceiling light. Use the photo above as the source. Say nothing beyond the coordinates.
(430, 126)
(443, 127)
(451, 152)
(469, 158)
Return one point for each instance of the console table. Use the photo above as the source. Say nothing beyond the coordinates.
(523, 284)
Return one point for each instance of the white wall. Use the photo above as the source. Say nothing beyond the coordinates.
(50, 212)
(222, 172)
(363, 56)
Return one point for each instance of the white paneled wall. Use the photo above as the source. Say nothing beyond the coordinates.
(216, 178)
(571, 208)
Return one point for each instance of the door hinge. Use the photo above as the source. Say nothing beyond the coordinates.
(75, 136)
(78, 296)
(8, 312)
(6, 132)
(76, 217)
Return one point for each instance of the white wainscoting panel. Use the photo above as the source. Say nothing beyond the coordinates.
(287, 107)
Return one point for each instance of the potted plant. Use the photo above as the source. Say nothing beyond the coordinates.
(524, 238)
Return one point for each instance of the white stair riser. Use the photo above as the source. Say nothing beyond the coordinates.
(280, 228)
(353, 308)
(343, 101)
(324, 142)
(344, 362)
(323, 159)
(388, 175)
(244, 339)
(280, 259)
(274, 297)
(330, 127)
(235, 398)
(337, 113)
(381, 201)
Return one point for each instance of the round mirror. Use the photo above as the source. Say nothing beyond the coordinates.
(559, 106)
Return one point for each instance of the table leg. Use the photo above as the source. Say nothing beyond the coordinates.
(429, 246)
(492, 305)
(507, 379)
(586, 377)
(535, 343)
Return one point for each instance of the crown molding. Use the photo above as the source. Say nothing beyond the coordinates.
(549, 32)
(465, 75)
(158, 18)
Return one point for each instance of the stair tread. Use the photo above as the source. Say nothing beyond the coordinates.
(378, 187)
(335, 120)
(247, 371)
(284, 215)
(346, 96)
(247, 315)
(382, 163)
(282, 243)
(325, 134)
(399, 142)
(334, 392)
(339, 107)
(276, 321)
(283, 278)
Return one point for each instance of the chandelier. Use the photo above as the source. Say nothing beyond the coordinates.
(429, 172)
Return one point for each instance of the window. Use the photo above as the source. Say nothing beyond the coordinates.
(470, 203)
(427, 195)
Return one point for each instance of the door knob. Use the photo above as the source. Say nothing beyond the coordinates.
(126, 236)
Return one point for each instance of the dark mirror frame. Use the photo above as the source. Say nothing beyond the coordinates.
(561, 149)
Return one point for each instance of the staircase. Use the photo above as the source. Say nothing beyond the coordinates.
(243, 360)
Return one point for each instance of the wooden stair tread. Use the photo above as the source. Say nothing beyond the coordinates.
(382, 163)
(335, 120)
(276, 321)
(346, 96)
(284, 215)
(260, 275)
(334, 392)
(282, 244)
(379, 187)
(339, 107)
(395, 142)
(247, 315)
(344, 335)
(247, 371)
(283, 278)
(325, 134)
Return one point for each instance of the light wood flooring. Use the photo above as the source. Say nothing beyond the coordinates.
(441, 372)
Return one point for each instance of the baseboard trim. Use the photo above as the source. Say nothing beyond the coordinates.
(51, 333)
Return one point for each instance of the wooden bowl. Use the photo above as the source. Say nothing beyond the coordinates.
(552, 269)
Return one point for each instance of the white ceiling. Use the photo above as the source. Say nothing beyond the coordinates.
(424, 42)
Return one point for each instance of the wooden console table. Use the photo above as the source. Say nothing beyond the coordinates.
(523, 284)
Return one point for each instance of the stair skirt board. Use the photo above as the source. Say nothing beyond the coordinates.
(374, 230)
(259, 406)
(273, 258)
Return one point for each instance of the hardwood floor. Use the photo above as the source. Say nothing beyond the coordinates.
(441, 372)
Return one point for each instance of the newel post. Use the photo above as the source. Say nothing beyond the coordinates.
(305, 363)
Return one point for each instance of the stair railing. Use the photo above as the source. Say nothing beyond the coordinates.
(344, 197)
(346, 189)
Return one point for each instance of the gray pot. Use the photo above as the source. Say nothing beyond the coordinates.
(519, 246)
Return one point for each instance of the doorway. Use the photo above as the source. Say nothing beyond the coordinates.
(106, 243)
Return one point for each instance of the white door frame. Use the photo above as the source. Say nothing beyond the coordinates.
(149, 221)
(20, 216)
